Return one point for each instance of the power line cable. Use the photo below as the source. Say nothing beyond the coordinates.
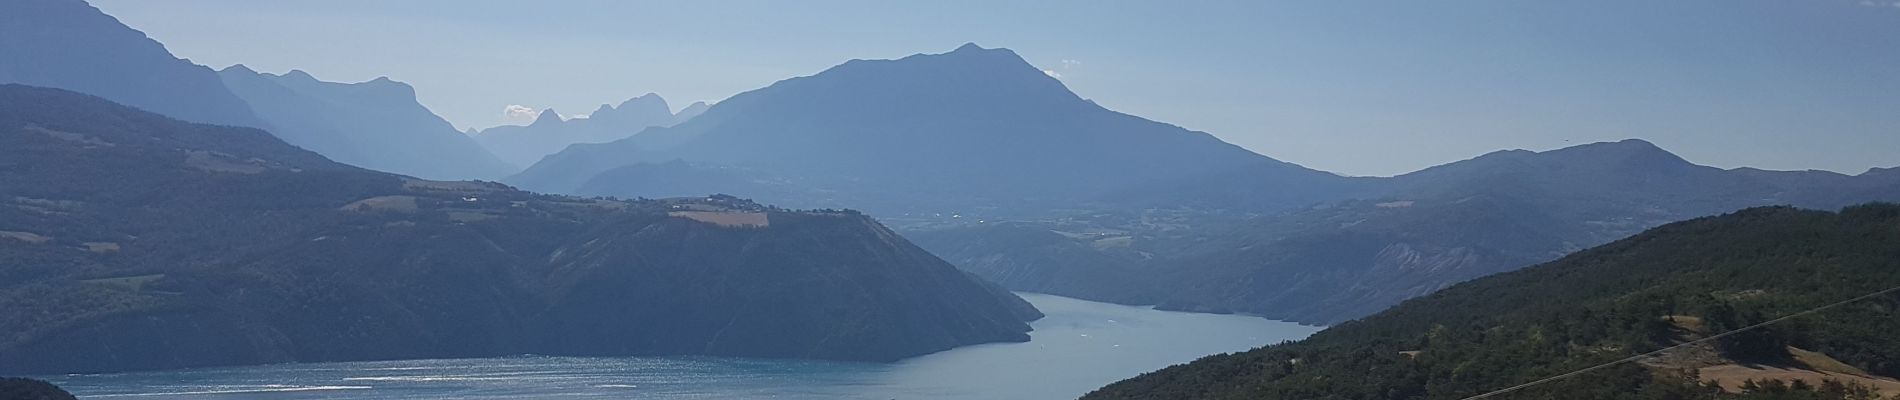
(1689, 343)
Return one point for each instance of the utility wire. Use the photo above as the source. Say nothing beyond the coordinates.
(1689, 343)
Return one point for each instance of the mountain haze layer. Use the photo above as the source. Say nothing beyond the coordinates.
(549, 133)
(129, 241)
(1404, 237)
(973, 129)
(1000, 169)
(376, 124)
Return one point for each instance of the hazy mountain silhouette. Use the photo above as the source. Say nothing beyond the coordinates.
(71, 45)
(548, 134)
(136, 241)
(691, 110)
(376, 124)
(1407, 236)
(969, 129)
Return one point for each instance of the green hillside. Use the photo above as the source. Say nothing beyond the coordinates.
(1668, 285)
(133, 241)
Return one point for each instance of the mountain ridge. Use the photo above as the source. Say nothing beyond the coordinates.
(72, 45)
(378, 124)
(550, 133)
(166, 244)
(1406, 236)
(914, 125)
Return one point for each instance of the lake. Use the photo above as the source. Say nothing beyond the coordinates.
(1079, 346)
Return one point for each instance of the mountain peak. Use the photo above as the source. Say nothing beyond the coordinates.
(971, 49)
(995, 79)
(397, 87)
(1882, 172)
(298, 74)
(1640, 144)
(547, 116)
(1629, 153)
(649, 100)
(1625, 146)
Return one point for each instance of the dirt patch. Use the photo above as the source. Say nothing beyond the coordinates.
(1113, 242)
(470, 216)
(134, 283)
(62, 205)
(726, 219)
(1689, 323)
(452, 186)
(102, 247)
(28, 237)
(218, 162)
(71, 137)
(1821, 362)
(384, 203)
(1731, 377)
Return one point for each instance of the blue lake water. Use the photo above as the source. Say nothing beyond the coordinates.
(1080, 346)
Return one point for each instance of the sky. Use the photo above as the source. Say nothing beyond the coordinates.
(1352, 87)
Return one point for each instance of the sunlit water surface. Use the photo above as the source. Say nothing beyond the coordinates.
(1080, 346)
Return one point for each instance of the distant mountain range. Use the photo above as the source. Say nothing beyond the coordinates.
(1000, 169)
(376, 124)
(131, 241)
(973, 130)
(69, 44)
(548, 134)
(1670, 285)
(1397, 238)
(975, 154)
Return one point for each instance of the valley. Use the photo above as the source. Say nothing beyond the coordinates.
(1245, 200)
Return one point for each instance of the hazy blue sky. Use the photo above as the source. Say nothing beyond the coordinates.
(1363, 88)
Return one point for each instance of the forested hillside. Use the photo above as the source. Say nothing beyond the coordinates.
(129, 241)
(1672, 284)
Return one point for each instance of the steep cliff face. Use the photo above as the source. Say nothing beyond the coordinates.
(376, 124)
(161, 244)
